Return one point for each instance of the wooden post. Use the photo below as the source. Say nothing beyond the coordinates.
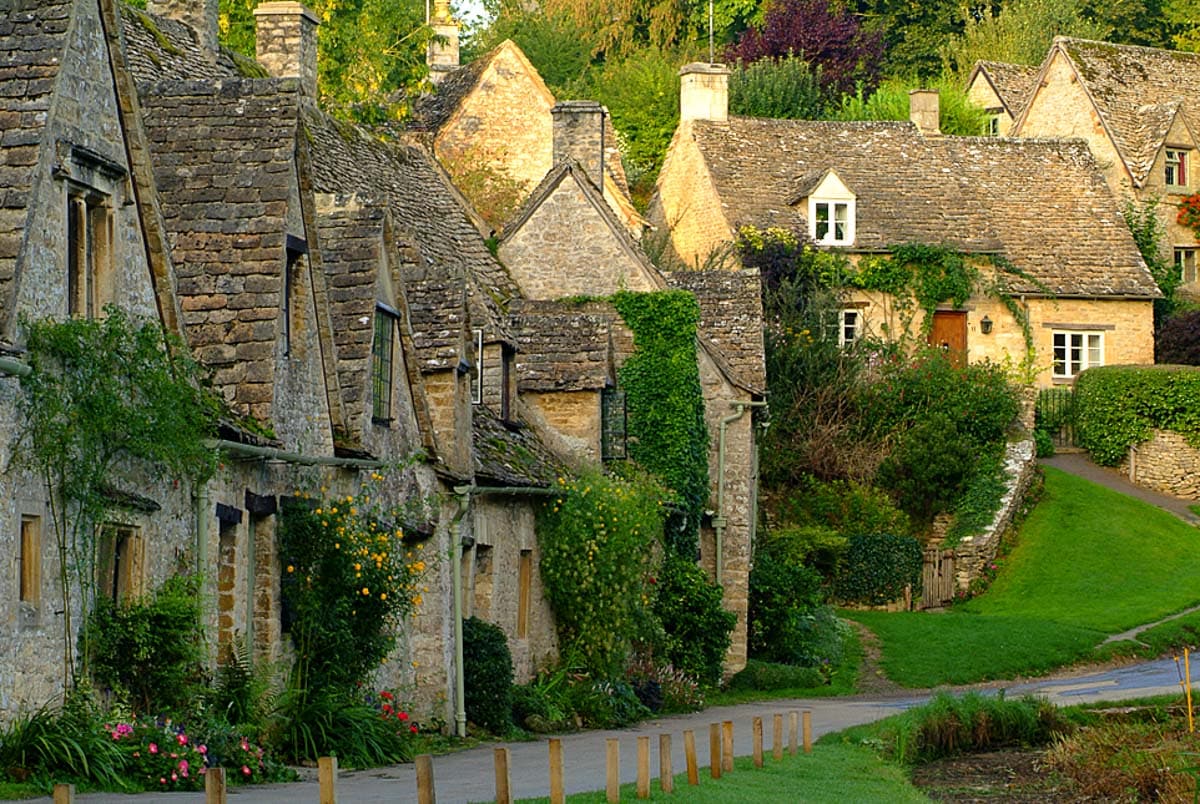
(807, 731)
(503, 778)
(666, 775)
(756, 728)
(689, 757)
(327, 769)
(64, 794)
(612, 783)
(557, 795)
(793, 727)
(727, 746)
(714, 750)
(777, 739)
(643, 777)
(214, 786)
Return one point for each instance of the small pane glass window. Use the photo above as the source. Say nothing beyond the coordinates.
(1176, 168)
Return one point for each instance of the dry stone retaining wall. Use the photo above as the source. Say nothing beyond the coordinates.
(1166, 463)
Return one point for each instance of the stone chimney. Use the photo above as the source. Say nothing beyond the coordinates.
(200, 15)
(924, 112)
(579, 135)
(287, 42)
(442, 56)
(704, 92)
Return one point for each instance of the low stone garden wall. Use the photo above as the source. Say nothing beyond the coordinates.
(1166, 463)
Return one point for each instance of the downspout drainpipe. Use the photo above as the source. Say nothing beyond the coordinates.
(202, 518)
(14, 368)
(719, 521)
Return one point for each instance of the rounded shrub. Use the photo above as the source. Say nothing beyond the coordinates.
(928, 470)
(877, 568)
(1118, 406)
(488, 673)
(1178, 340)
(697, 627)
(789, 622)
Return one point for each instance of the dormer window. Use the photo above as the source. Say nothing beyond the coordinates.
(831, 211)
(1176, 172)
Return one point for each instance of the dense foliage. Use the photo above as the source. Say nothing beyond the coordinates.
(697, 627)
(781, 88)
(1178, 340)
(878, 567)
(149, 650)
(664, 403)
(488, 672)
(348, 581)
(1118, 406)
(103, 393)
(1150, 234)
(599, 541)
(789, 621)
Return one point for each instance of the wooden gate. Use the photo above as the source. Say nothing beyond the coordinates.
(938, 584)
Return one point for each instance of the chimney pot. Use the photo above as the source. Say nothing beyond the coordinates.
(202, 16)
(442, 56)
(924, 111)
(704, 92)
(579, 135)
(286, 42)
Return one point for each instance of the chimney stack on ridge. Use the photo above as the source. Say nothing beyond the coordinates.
(704, 92)
(924, 111)
(443, 48)
(286, 42)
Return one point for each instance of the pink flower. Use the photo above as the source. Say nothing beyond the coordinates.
(174, 776)
(162, 780)
(245, 770)
(183, 765)
(182, 738)
(203, 770)
(174, 755)
(202, 748)
(153, 748)
(245, 745)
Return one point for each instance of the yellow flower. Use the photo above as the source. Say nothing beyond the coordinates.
(416, 600)
(366, 591)
(317, 512)
(358, 566)
(291, 568)
(337, 545)
(383, 595)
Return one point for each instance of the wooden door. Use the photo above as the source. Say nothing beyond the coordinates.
(949, 333)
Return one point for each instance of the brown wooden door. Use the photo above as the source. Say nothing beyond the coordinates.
(949, 333)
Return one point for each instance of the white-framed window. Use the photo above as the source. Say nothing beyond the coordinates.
(849, 326)
(1176, 172)
(993, 125)
(832, 222)
(1075, 351)
(1185, 263)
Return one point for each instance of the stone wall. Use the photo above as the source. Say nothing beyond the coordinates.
(686, 202)
(972, 554)
(1166, 463)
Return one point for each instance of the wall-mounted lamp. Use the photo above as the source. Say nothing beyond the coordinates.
(985, 325)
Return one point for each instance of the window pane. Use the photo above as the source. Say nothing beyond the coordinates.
(841, 220)
(1094, 357)
(1060, 354)
(381, 368)
(822, 221)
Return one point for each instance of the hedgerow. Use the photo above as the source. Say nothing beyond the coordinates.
(1118, 406)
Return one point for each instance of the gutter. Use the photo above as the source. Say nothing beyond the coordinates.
(719, 521)
(275, 454)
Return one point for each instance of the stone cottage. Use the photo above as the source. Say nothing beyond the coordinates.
(1002, 90)
(863, 188)
(1136, 108)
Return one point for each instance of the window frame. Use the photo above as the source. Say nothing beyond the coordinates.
(831, 207)
(383, 363)
(1185, 263)
(1066, 367)
(29, 582)
(1175, 170)
(90, 234)
(477, 368)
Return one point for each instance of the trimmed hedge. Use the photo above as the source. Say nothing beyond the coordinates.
(488, 672)
(1118, 406)
(877, 568)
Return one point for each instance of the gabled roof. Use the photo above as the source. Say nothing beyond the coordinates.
(1131, 88)
(430, 112)
(511, 455)
(33, 35)
(223, 157)
(807, 184)
(731, 318)
(1012, 83)
(562, 349)
(1042, 204)
(161, 49)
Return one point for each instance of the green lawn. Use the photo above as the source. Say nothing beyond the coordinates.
(1089, 563)
(831, 773)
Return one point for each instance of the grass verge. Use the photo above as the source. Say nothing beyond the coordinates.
(832, 772)
(842, 681)
(1089, 562)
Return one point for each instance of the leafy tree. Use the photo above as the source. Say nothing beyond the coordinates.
(620, 27)
(1178, 339)
(1183, 20)
(828, 38)
(1019, 33)
(552, 43)
(787, 88)
(914, 31)
(371, 53)
(890, 102)
(1131, 22)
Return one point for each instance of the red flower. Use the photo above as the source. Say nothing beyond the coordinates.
(413, 729)
(402, 715)
(387, 696)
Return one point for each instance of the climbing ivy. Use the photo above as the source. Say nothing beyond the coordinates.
(664, 403)
(100, 394)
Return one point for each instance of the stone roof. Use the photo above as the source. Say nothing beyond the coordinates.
(33, 35)
(159, 48)
(731, 318)
(430, 112)
(423, 205)
(561, 349)
(1131, 87)
(510, 454)
(1013, 83)
(1042, 204)
(223, 153)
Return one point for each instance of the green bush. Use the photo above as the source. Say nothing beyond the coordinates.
(1118, 406)
(1043, 443)
(814, 546)
(606, 704)
(760, 675)
(849, 507)
(488, 673)
(789, 622)
(984, 489)
(317, 723)
(781, 88)
(544, 704)
(878, 567)
(151, 649)
(698, 628)
(67, 744)
(928, 470)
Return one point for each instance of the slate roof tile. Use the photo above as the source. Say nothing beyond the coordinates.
(1014, 83)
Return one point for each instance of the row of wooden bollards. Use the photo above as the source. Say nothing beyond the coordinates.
(720, 748)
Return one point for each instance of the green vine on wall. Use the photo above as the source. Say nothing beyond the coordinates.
(103, 393)
(664, 403)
